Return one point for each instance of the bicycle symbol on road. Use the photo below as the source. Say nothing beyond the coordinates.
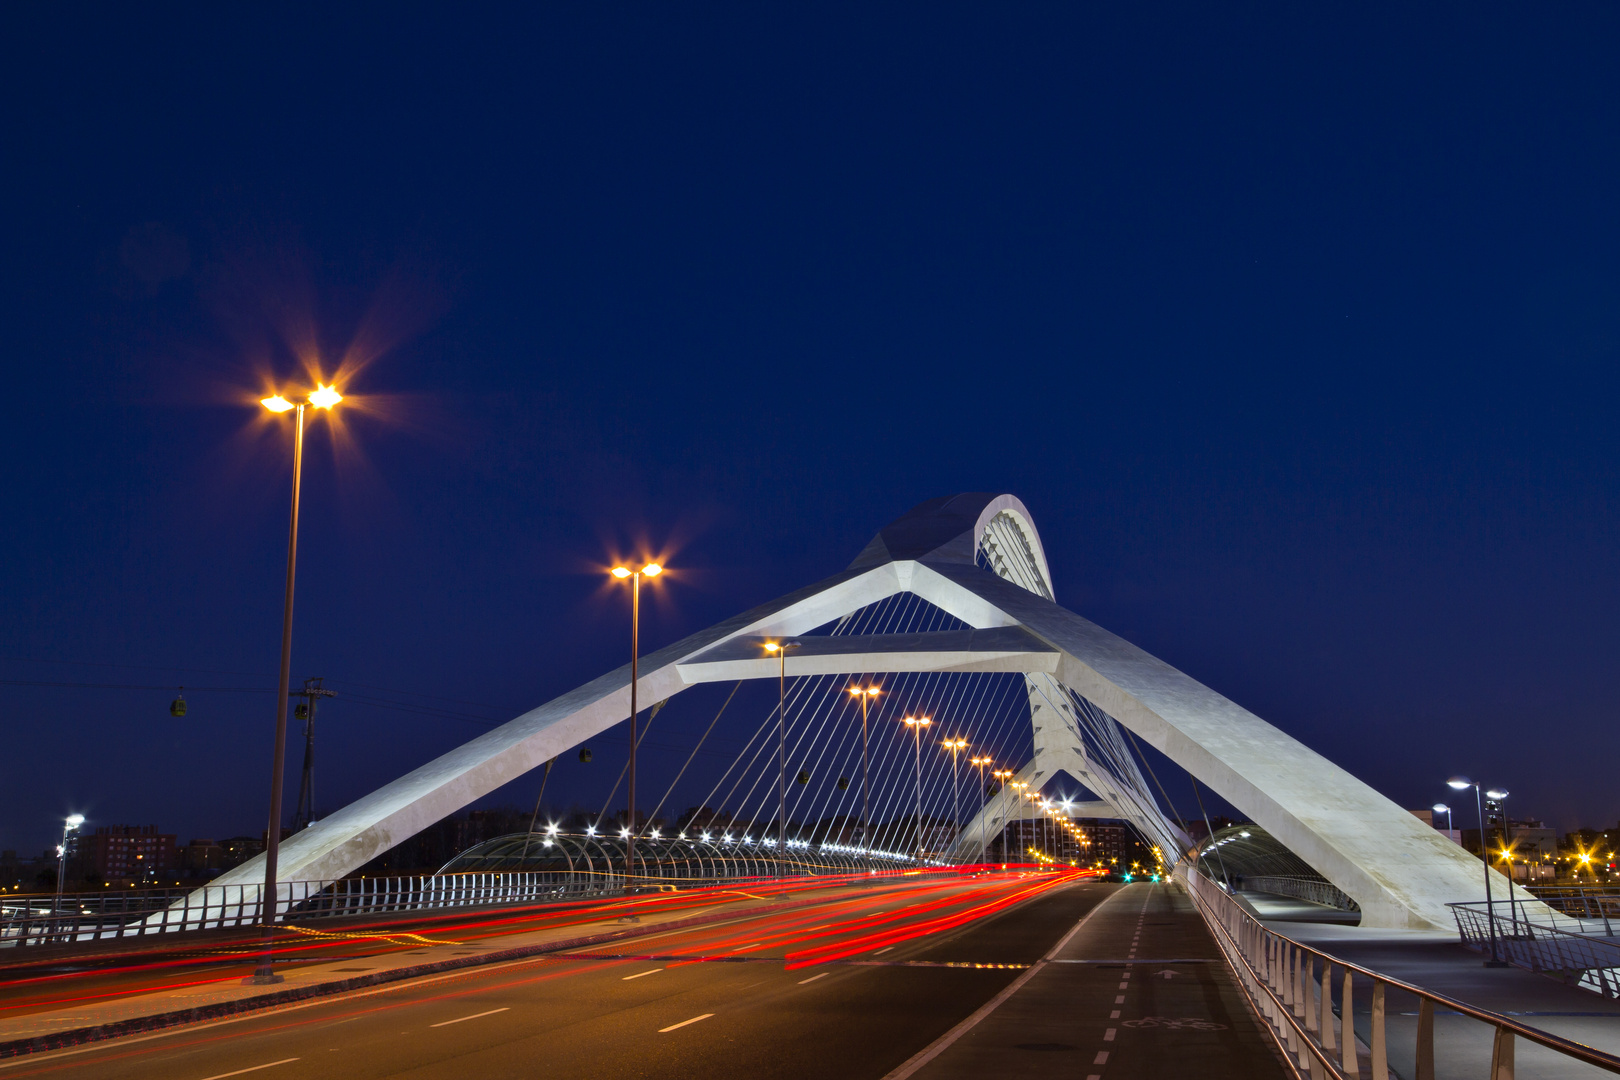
(1174, 1023)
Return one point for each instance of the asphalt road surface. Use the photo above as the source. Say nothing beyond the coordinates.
(988, 977)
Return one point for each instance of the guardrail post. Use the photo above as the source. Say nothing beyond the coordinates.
(1425, 1040)
(1308, 990)
(1327, 1004)
(1380, 1051)
(1502, 1055)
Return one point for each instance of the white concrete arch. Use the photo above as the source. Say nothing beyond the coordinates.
(1401, 872)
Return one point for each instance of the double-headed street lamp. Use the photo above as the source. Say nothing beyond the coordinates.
(865, 694)
(916, 724)
(70, 825)
(780, 649)
(322, 397)
(981, 763)
(651, 570)
(955, 746)
(1005, 777)
(1462, 783)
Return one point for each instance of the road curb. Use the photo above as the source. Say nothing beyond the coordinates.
(62, 1040)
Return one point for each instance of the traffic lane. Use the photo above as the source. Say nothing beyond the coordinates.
(597, 1018)
(1138, 992)
(856, 925)
(65, 980)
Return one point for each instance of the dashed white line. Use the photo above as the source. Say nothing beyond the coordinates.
(683, 1023)
(474, 1016)
(639, 974)
(813, 978)
(1114, 1015)
(1102, 1058)
(1119, 1000)
(255, 1068)
(823, 926)
(1108, 1036)
(883, 950)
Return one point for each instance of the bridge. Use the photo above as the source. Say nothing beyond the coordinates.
(840, 906)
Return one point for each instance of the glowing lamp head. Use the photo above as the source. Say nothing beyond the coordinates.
(1441, 808)
(276, 404)
(620, 572)
(771, 646)
(75, 820)
(1496, 794)
(652, 569)
(1459, 783)
(324, 397)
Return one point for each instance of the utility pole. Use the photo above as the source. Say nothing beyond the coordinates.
(312, 692)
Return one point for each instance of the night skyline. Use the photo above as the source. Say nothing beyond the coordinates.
(1301, 357)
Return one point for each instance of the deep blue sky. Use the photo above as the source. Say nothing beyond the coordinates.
(1296, 328)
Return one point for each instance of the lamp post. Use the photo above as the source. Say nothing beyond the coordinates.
(1018, 787)
(865, 694)
(955, 746)
(1003, 775)
(651, 570)
(323, 397)
(1462, 783)
(70, 825)
(916, 724)
(1442, 808)
(980, 763)
(780, 650)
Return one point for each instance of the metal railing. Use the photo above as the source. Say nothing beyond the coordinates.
(1582, 901)
(137, 913)
(1581, 951)
(1292, 987)
(1314, 890)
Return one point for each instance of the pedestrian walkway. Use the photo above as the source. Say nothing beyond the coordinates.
(1137, 990)
(1439, 963)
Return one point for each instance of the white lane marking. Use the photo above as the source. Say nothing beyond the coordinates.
(823, 926)
(750, 945)
(373, 991)
(883, 950)
(1108, 1036)
(639, 974)
(1114, 1015)
(943, 1043)
(256, 1068)
(683, 1023)
(1124, 986)
(1102, 1058)
(813, 978)
(1119, 999)
(474, 1016)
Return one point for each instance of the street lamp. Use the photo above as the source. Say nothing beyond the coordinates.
(980, 763)
(323, 397)
(955, 746)
(780, 650)
(1005, 776)
(1462, 783)
(865, 694)
(916, 724)
(1442, 808)
(651, 570)
(70, 825)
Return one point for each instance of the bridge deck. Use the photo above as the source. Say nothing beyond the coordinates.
(1139, 990)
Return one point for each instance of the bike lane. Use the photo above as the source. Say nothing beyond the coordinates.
(1137, 989)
